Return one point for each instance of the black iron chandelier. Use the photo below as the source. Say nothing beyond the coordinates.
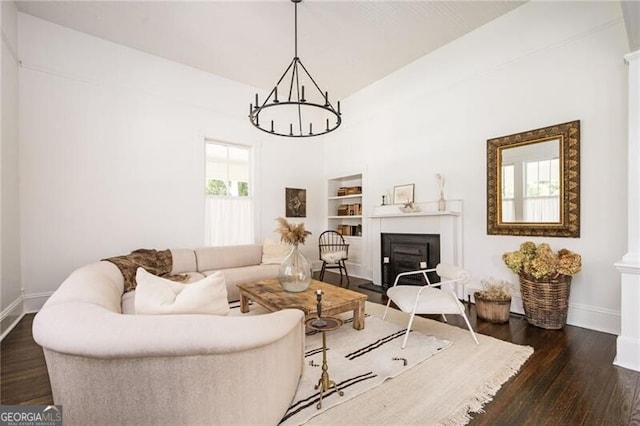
(304, 115)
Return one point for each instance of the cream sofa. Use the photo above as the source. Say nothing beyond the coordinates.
(110, 368)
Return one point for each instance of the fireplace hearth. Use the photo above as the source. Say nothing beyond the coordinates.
(408, 252)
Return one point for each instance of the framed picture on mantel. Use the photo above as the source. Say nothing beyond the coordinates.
(403, 194)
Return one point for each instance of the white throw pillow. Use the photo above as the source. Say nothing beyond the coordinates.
(156, 295)
(273, 253)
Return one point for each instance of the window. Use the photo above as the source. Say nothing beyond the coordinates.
(229, 203)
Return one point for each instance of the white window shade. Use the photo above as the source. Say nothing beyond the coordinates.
(229, 207)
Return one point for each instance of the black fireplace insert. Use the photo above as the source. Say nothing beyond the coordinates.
(409, 252)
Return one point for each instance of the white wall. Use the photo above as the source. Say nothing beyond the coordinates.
(292, 163)
(10, 294)
(112, 155)
(543, 63)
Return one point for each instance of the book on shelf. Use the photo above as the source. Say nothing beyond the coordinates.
(350, 209)
(350, 230)
(349, 190)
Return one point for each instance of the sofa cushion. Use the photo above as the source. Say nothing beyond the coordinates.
(215, 258)
(234, 276)
(184, 260)
(274, 253)
(156, 295)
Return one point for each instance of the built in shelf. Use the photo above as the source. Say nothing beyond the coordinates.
(346, 217)
(345, 197)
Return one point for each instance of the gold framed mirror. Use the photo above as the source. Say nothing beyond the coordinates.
(533, 182)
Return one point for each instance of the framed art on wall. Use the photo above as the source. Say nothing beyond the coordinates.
(403, 194)
(295, 202)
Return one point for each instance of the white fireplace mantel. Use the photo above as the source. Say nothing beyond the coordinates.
(429, 220)
(420, 213)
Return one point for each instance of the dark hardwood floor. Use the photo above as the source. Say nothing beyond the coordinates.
(569, 379)
(23, 373)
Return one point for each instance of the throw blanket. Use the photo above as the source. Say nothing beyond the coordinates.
(155, 262)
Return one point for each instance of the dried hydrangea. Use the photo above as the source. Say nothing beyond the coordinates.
(569, 263)
(540, 261)
(528, 248)
(291, 233)
(514, 260)
(496, 290)
(542, 265)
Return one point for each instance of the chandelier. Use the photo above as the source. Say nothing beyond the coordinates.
(299, 114)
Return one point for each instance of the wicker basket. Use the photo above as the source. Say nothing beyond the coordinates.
(492, 310)
(546, 302)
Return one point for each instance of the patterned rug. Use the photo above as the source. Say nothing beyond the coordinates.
(443, 390)
(358, 361)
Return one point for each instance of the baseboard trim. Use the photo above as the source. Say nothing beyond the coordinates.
(579, 315)
(13, 313)
(33, 302)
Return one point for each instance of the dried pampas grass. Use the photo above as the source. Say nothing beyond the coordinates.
(291, 233)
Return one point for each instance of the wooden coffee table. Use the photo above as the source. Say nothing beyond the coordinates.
(335, 300)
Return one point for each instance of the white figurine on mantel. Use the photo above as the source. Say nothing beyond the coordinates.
(442, 204)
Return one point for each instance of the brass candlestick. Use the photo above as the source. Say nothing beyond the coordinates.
(319, 322)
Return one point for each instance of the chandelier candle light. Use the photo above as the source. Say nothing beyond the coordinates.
(303, 109)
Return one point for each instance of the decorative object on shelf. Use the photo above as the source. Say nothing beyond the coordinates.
(493, 302)
(442, 203)
(545, 282)
(409, 207)
(383, 200)
(299, 106)
(403, 194)
(295, 271)
(295, 202)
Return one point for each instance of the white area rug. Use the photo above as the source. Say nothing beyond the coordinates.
(357, 361)
(442, 390)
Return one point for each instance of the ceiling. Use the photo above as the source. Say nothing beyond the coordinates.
(346, 45)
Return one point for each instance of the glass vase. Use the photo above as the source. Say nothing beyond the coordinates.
(442, 203)
(294, 273)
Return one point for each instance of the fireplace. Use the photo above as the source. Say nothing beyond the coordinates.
(408, 252)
